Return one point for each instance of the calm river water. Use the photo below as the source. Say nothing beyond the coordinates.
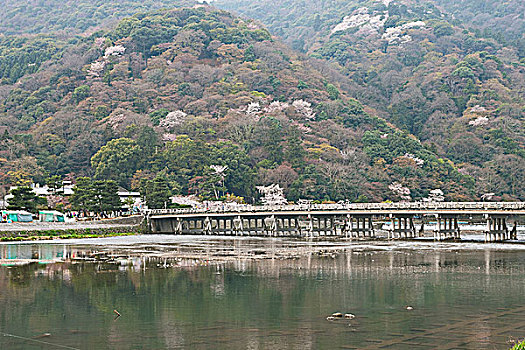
(218, 294)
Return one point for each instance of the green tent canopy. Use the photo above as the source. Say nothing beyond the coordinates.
(50, 216)
(18, 215)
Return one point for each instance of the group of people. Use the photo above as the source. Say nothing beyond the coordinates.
(5, 218)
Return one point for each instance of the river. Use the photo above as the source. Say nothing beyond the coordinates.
(242, 293)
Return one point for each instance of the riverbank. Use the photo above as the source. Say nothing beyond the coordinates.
(66, 234)
(36, 231)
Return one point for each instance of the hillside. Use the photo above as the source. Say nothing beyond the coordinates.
(72, 16)
(182, 93)
(451, 73)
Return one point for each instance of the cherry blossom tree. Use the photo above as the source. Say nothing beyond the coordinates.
(253, 109)
(479, 121)
(435, 196)
(304, 108)
(114, 51)
(400, 191)
(276, 106)
(173, 119)
(96, 68)
(417, 160)
(272, 195)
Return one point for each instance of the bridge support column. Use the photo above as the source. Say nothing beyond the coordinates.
(497, 230)
(447, 227)
(207, 226)
(270, 225)
(226, 229)
(222, 226)
(363, 226)
(405, 226)
(178, 226)
(514, 231)
(309, 232)
(237, 226)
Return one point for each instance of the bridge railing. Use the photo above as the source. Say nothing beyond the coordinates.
(228, 208)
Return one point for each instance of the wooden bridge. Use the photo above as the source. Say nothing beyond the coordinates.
(359, 220)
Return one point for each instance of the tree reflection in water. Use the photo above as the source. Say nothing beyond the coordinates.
(254, 294)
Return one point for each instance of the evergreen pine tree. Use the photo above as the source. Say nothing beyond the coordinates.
(23, 198)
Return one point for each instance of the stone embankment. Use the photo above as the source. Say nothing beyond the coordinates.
(130, 224)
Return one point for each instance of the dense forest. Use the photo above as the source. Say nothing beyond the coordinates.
(452, 73)
(72, 16)
(209, 104)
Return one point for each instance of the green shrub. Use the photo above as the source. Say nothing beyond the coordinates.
(519, 346)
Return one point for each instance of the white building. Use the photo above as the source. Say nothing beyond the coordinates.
(129, 199)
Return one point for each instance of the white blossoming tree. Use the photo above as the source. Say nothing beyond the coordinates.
(276, 106)
(99, 42)
(435, 196)
(96, 68)
(400, 191)
(478, 109)
(304, 108)
(417, 160)
(479, 121)
(116, 50)
(173, 119)
(215, 181)
(253, 109)
(219, 169)
(272, 195)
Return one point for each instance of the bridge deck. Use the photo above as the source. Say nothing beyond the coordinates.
(377, 212)
(412, 208)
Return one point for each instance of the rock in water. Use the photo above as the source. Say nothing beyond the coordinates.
(44, 335)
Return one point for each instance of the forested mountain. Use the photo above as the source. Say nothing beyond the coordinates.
(72, 16)
(182, 93)
(178, 92)
(450, 72)
(501, 20)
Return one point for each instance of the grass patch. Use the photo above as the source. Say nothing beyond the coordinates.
(519, 346)
(64, 234)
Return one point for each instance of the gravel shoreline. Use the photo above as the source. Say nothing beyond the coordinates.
(7, 229)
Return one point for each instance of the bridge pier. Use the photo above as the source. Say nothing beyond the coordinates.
(329, 226)
(318, 226)
(448, 227)
(497, 230)
(238, 226)
(178, 226)
(270, 226)
(402, 226)
(207, 227)
(363, 226)
(291, 227)
(514, 231)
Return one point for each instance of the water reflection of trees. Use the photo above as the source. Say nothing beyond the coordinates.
(181, 303)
